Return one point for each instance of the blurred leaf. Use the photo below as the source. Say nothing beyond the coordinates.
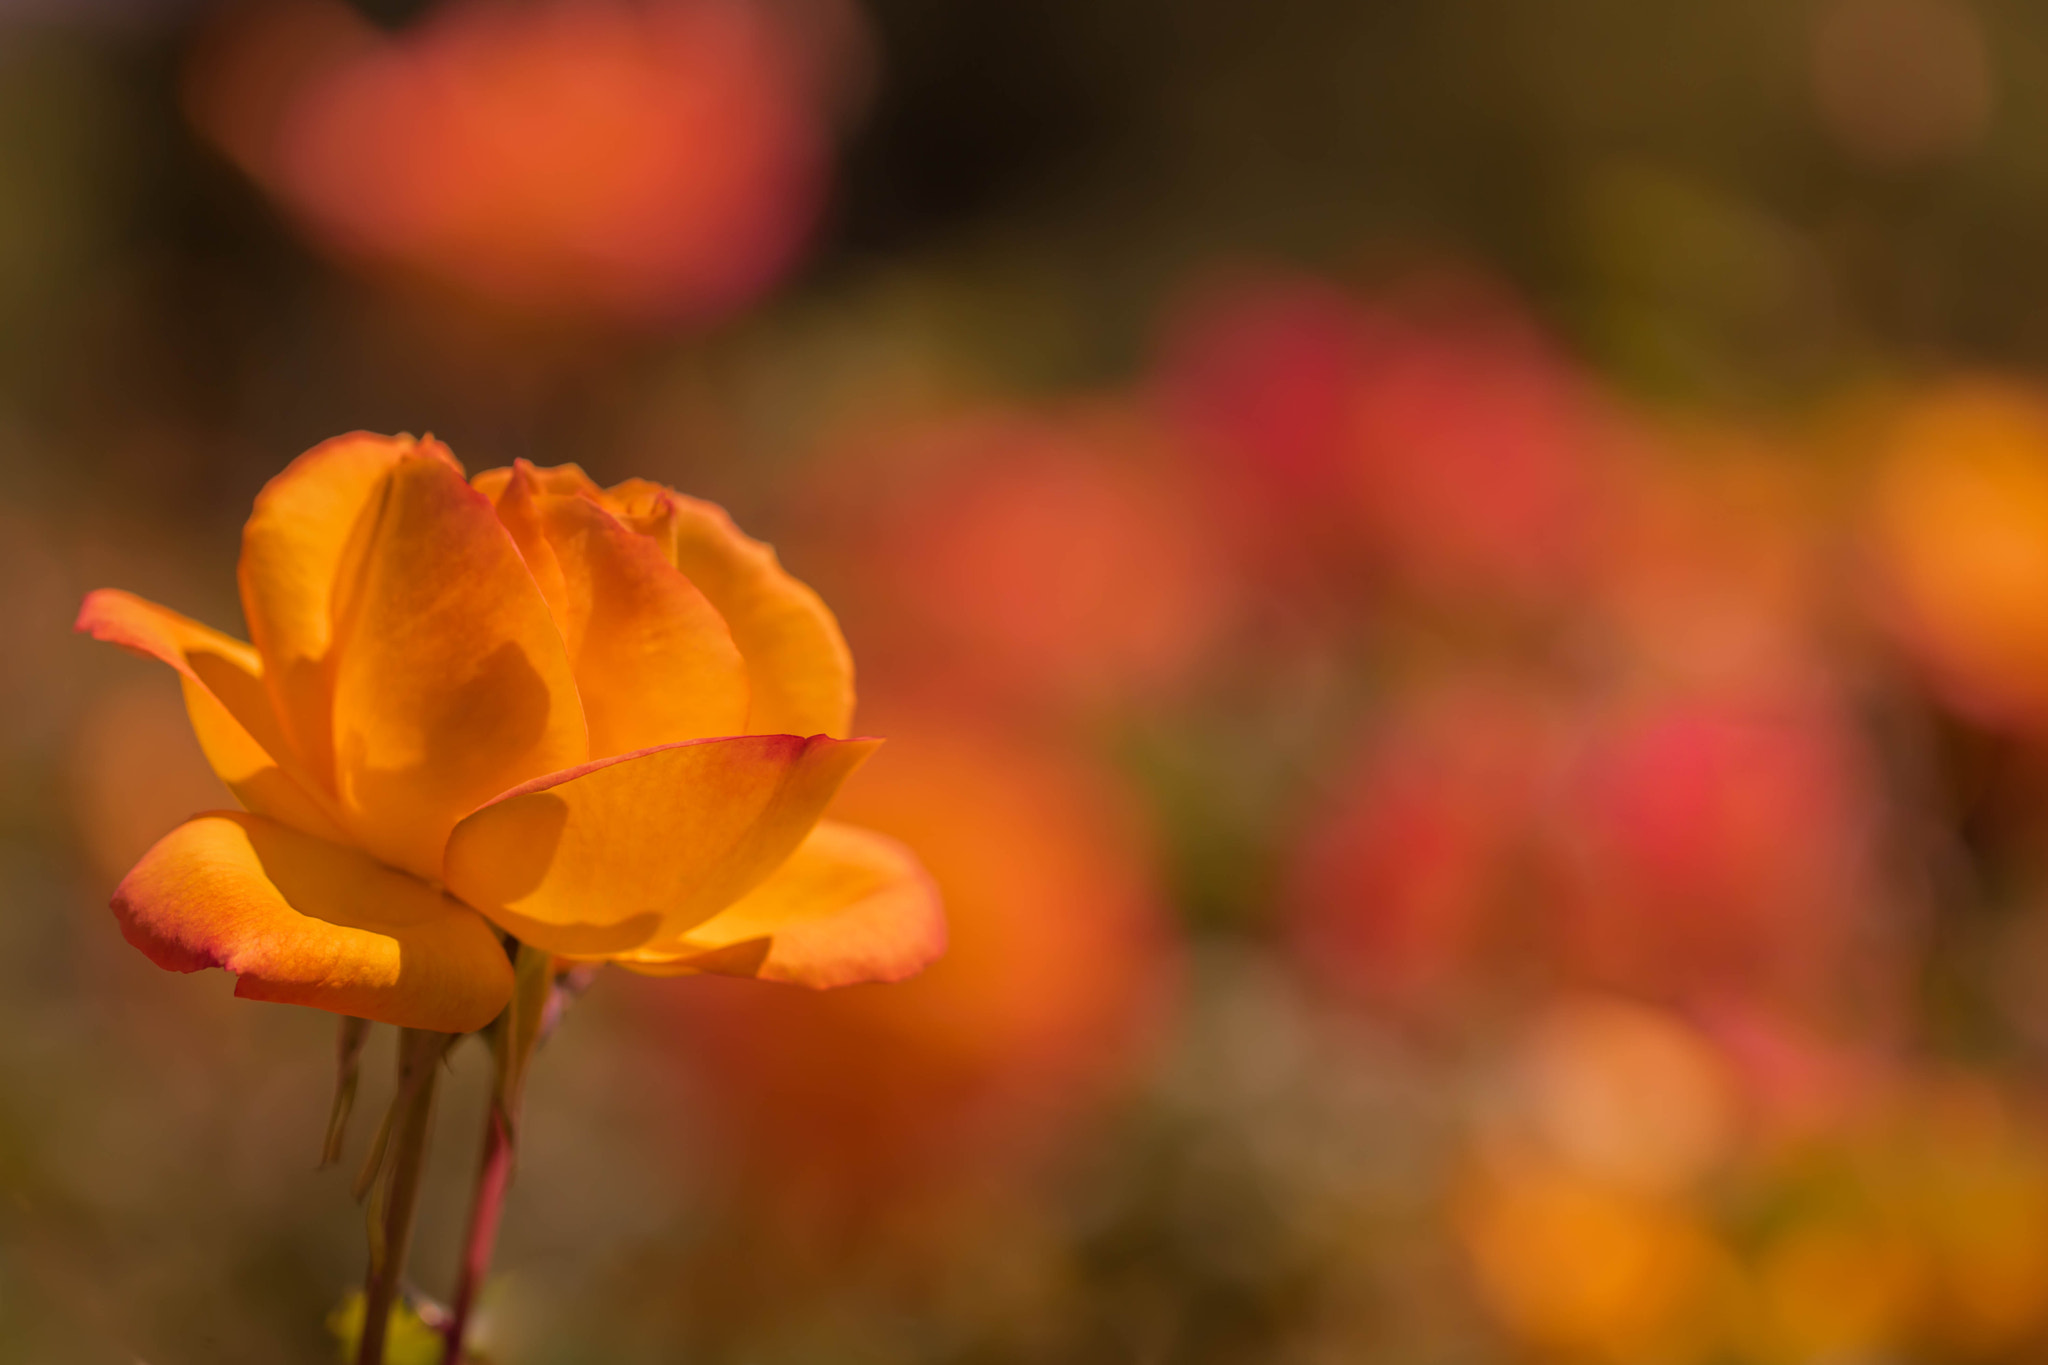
(412, 1341)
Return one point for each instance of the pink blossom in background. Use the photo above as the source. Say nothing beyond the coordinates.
(1722, 846)
(1403, 890)
(1060, 558)
(1430, 436)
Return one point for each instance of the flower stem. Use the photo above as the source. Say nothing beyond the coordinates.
(419, 1074)
(538, 999)
(493, 1174)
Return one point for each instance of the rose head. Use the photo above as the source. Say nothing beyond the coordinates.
(601, 720)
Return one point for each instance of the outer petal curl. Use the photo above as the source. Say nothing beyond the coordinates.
(607, 858)
(654, 662)
(850, 906)
(308, 922)
(226, 700)
(798, 664)
(451, 683)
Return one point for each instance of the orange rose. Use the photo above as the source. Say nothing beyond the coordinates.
(518, 702)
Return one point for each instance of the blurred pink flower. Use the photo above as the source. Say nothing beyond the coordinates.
(1260, 376)
(1431, 436)
(1721, 846)
(1702, 850)
(1043, 558)
(1474, 445)
(1403, 887)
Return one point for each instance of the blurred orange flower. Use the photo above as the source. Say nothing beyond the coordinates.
(579, 712)
(1914, 1232)
(1593, 1271)
(1579, 1212)
(1629, 1196)
(591, 157)
(1061, 960)
(1958, 534)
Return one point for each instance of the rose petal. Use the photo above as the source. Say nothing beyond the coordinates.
(451, 683)
(569, 480)
(227, 702)
(306, 523)
(797, 661)
(654, 662)
(301, 920)
(849, 906)
(516, 502)
(616, 854)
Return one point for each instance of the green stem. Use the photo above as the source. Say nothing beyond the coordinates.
(392, 1212)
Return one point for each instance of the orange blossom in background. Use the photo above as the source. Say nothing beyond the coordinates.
(1957, 540)
(1061, 966)
(644, 162)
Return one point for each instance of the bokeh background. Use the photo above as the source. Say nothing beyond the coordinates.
(1459, 591)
